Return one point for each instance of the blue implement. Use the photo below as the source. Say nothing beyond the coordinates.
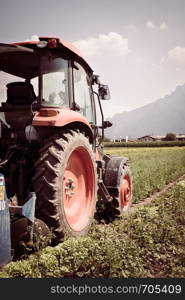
(27, 210)
(5, 241)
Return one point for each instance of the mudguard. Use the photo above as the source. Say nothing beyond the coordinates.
(113, 171)
(48, 116)
(5, 242)
(59, 117)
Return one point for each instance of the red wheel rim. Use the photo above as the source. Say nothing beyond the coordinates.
(78, 188)
(125, 193)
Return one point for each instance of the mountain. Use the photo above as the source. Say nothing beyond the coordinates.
(157, 118)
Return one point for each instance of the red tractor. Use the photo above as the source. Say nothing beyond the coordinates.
(50, 142)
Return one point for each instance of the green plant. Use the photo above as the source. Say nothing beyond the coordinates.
(147, 243)
(152, 168)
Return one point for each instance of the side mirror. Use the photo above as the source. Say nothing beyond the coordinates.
(106, 124)
(104, 92)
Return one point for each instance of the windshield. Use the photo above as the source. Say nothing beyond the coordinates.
(55, 82)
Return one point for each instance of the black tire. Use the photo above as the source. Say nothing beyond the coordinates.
(116, 194)
(109, 211)
(52, 188)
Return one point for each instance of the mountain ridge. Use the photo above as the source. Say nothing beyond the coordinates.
(164, 115)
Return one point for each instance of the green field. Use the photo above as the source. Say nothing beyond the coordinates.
(152, 168)
(149, 242)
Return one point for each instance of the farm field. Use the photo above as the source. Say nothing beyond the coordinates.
(152, 168)
(149, 242)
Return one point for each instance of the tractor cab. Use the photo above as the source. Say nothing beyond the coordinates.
(47, 73)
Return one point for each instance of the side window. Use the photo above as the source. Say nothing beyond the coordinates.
(83, 92)
(6, 78)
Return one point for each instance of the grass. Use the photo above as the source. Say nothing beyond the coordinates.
(147, 243)
(152, 168)
(145, 144)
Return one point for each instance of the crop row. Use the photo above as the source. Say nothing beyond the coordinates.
(148, 243)
(152, 168)
(145, 144)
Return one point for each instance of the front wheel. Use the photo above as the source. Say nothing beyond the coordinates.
(124, 195)
(66, 185)
(121, 196)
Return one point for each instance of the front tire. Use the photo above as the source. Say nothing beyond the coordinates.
(66, 185)
(121, 198)
(124, 194)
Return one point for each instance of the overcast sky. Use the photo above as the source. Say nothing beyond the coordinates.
(136, 46)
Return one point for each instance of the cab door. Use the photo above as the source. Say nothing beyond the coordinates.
(83, 94)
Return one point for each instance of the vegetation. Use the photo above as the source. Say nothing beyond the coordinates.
(152, 168)
(170, 136)
(169, 143)
(147, 243)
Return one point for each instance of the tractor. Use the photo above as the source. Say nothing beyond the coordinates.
(54, 173)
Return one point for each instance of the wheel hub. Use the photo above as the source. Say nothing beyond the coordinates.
(78, 189)
(69, 187)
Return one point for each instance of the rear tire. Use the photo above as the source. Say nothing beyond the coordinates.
(66, 185)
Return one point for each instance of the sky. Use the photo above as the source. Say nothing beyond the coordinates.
(136, 46)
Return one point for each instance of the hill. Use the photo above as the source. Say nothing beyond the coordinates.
(157, 118)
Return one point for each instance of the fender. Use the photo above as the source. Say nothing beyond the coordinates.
(59, 117)
(113, 171)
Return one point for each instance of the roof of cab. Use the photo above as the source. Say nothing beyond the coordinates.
(62, 43)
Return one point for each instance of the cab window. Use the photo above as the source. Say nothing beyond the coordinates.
(83, 92)
(55, 82)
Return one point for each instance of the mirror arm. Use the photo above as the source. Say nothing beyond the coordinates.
(40, 95)
(101, 111)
